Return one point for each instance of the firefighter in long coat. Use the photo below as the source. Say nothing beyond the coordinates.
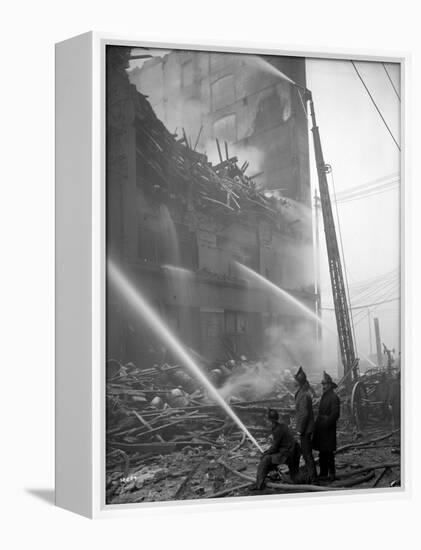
(284, 450)
(304, 421)
(324, 437)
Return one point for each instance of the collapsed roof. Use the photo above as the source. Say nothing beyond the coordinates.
(179, 171)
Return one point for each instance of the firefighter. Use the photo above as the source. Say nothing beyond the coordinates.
(324, 437)
(304, 421)
(284, 450)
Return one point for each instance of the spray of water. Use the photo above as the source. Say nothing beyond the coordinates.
(135, 298)
(251, 274)
(169, 231)
(178, 270)
(285, 295)
(267, 67)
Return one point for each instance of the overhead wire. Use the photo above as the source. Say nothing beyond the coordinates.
(375, 105)
(370, 308)
(363, 294)
(376, 277)
(366, 283)
(377, 289)
(375, 285)
(364, 306)
(374, 298)
(391, 188)
(387, 293)
(371, 292)
(391, 81)
(368, 312)
(375, 190)
(369, 189)
(370, 184)
(374, 292)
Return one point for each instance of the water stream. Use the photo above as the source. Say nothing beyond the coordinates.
(251, 274)
(267, 67)
(135, 298)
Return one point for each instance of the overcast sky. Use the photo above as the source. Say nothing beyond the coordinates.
(359, 148)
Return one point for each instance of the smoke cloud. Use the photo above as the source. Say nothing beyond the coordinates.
(287, 349)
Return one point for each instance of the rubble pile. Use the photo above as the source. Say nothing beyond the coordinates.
(175, 170)
(166, 440)
(161, 411)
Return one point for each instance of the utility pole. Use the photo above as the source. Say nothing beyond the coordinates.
(369, 330)
(317, 206)
(378, 342)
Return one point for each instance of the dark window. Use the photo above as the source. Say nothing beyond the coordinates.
(269, 113)
(237, 334)
(235, 322)
(230, 322)
(188, 248)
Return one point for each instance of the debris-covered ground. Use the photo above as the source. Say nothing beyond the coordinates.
(167, 441)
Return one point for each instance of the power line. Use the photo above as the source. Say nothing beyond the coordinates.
(371, 191)
(362, 307)
(380, 287)
(361, 319)
(367, 188)
(368, 282)
(375, 105)
(374, 286)
(381, 291)
(372, 183)
(371, 301)
(367, 196)
(367, 314)
(388, 297)
(388, 293)
(391, 81)
(377, 277)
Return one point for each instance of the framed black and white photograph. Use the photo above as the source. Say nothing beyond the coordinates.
(240, 326)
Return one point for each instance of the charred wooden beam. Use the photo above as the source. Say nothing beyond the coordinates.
(219, 150)
(225, 163)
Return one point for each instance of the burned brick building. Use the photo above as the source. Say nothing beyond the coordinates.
(180, 224)
(240, 99)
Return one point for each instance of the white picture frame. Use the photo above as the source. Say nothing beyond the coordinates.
(80, 273)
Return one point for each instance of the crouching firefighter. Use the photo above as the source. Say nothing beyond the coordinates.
(284, 450)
